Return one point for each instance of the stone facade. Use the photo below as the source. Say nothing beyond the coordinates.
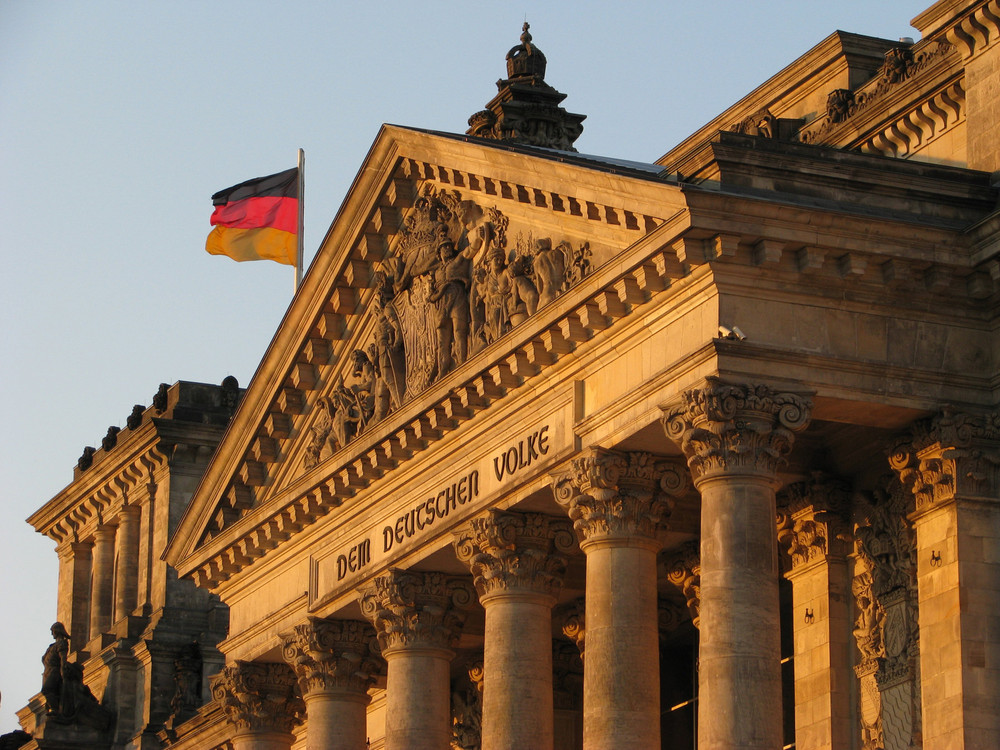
(554, 451)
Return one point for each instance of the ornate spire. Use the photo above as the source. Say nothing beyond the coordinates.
(526, 109)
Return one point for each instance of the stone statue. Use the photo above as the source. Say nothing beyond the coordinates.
(451, 281)
(388, 356)
(187, 684)
(69, 701)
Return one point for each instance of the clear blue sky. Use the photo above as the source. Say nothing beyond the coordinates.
(118, 120)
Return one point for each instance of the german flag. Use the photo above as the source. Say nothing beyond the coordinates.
(257, 219)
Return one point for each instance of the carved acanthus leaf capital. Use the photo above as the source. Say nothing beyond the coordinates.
(259, 697)
(952, 455)
(410, 608)
(516, 552)
(571, 619)
(812, 519)
(683, 570)
(735, 428)
(610, 494)
(332, 655)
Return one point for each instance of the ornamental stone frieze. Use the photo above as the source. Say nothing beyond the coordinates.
(410, 608)
(952, 455)
(682, 568)
(509, 551)
(611, 494)
(259, 697)
(333, 655)
(735, 428)
(886, 629)
(812, 519)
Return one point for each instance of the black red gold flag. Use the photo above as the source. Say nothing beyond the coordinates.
(257, 219)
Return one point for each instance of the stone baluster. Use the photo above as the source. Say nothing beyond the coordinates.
(335, 663)
(518, 561)
(102, 581)
(417, 617)
(127, 564)
(262, 703)
(951, 464)
(812, 530)
(619, 503)
(735, 436)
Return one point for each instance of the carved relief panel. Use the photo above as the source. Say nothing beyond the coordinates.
(457, 279)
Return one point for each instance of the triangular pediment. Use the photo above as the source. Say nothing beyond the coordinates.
(454, 271)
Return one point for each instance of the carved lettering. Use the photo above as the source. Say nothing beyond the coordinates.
(522, 455)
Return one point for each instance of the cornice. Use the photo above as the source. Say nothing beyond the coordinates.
(105, 487)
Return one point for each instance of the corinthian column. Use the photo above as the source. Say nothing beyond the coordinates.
(619, 505)
(261, 702)
(417, 619)
(335, 665)
(517, 561)
(735, 436)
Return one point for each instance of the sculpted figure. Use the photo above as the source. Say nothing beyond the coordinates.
(451, 281)
(523, 296)
(494, 289)
(550, 268)
(389, 355)
(364, 389)
(67, 698)
(53, 659)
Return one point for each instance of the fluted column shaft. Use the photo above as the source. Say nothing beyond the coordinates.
(735, 436)
(619, 506)
(517, 563)
(416, 619)
(335, 665)
(127, 567)
(102, 581)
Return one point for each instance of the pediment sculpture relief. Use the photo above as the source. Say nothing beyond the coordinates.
(456, 282)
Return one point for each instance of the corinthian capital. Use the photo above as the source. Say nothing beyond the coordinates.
(735, 428)
(614, 495)
(259, 697)
(812, 521)
(952, 455)
(410, 608)
(329, 655)
(683, 569)
(515, 552)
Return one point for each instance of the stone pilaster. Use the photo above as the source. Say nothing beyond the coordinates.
(517, 561)
(335, 661)
(262, 703)
(619, 504)
(417, 617)
(812, 531)
(952, 466)
(735, 437)
(75, 563)
(127, 567)
(102, 580)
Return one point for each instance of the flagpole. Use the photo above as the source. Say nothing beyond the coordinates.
(300, 239)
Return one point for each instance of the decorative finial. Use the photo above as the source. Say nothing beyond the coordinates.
(526, 37)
